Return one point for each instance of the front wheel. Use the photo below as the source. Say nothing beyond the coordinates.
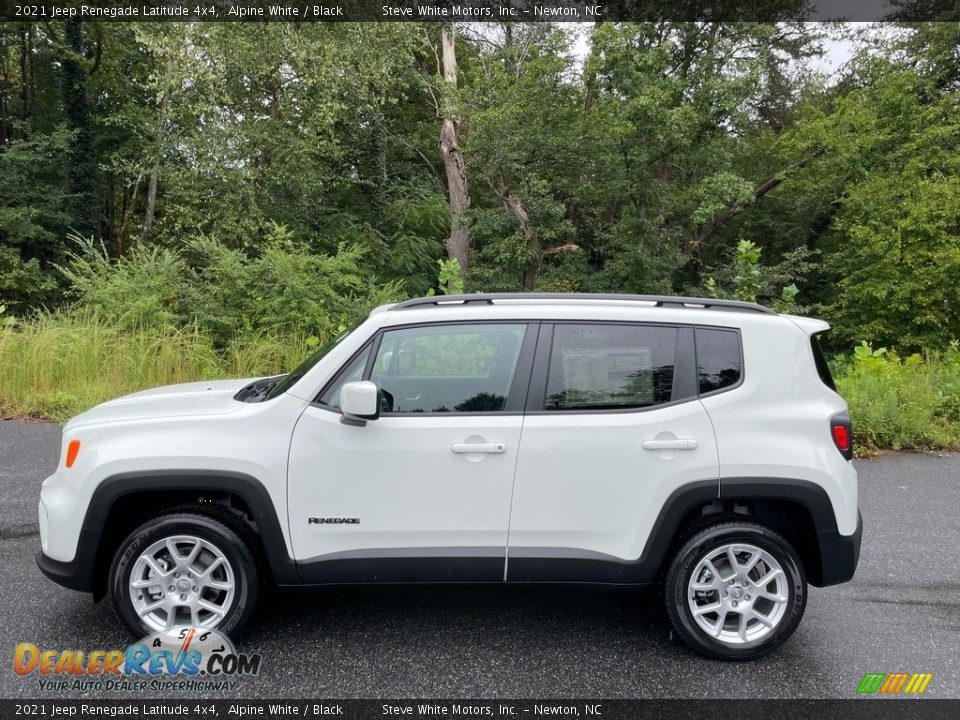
(735, 591)
(181, 569)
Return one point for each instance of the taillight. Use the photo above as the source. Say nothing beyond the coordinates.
(841, 436)
(842, 432)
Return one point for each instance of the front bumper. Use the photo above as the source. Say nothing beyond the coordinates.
(839, 555)
(76, 574)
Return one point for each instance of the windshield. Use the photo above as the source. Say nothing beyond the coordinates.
(291, 378)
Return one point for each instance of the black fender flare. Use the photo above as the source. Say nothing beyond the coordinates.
(78, 574)
(838, 554)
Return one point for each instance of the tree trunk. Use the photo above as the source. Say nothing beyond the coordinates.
(514, 206)
(126, 214)
(82, 181)
(590, 77)
(154, 178)
(25, 79)
(458, 243)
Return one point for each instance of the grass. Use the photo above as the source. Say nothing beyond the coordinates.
(54, 366)
(57, 365)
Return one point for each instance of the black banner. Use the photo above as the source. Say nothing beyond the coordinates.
(478, 10)
(875, 709)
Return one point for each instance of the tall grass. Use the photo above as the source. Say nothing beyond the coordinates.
(56, 365)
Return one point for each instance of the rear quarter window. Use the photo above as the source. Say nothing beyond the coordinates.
(823, 369)
(719, 360)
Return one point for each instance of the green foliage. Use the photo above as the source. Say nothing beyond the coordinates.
(895, 253)
(746, 282)
(450, 278)
(225, 292)
(902, 403)
(285, 289)
(147, 288)
(746, 278)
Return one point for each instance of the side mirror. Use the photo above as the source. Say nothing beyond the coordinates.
(359, 402)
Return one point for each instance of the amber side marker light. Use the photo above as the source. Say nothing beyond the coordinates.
(73, 449)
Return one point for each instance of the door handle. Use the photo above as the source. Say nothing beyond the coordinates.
(677, 444)
(492, 448)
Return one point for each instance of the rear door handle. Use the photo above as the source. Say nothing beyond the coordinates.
(493, 448)
(678, 444)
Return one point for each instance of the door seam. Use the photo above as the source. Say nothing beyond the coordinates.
(516, 462)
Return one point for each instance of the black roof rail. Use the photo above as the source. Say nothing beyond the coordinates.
(655, 300)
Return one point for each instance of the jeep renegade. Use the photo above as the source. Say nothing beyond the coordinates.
(692, 443)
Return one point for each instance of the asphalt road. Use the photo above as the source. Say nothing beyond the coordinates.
(901, 613)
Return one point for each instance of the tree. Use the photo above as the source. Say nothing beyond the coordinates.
(458, 242)
(83, 204)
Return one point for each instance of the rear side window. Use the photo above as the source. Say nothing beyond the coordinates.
(718, 359)
(823, 369)
(610, 367)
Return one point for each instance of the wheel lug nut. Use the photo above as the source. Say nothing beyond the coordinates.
(748, 597)
(724, 592)
(734, 603)
(195, 588)
(176, 574)
(172, 587)
(183, 597)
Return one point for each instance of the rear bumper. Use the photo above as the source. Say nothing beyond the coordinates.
(839, 555)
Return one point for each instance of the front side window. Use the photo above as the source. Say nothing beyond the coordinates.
(610, 367)
(718, 359)
(447, 368)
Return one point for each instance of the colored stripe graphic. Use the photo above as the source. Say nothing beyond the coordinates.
(894, 683)
(871, 682)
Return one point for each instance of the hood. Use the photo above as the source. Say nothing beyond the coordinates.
(213, 397)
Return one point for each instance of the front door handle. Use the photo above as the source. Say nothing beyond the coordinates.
(677, 444)
(492, 448)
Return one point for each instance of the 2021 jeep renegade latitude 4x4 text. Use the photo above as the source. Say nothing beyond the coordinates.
(694, 443)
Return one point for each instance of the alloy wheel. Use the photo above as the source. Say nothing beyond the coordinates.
(738, 593)
(182, 580)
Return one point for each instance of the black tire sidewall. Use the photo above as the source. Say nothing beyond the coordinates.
(683, 564)
(223, 537)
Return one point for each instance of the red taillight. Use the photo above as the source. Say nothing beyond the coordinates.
(841, 430)
(841, 437)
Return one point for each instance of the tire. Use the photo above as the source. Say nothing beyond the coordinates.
(720, 630)
(223, 575)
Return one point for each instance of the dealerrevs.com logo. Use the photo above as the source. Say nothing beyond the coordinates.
(899, 683)
(182, 658)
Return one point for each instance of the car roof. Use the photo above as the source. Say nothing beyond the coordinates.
(662, 301)
(588, 306)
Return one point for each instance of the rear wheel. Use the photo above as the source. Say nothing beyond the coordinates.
(735, 591)
(183, 569)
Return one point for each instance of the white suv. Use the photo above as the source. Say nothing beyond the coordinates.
(698, 444)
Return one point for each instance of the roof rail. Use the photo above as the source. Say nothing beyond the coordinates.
(655, 300)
